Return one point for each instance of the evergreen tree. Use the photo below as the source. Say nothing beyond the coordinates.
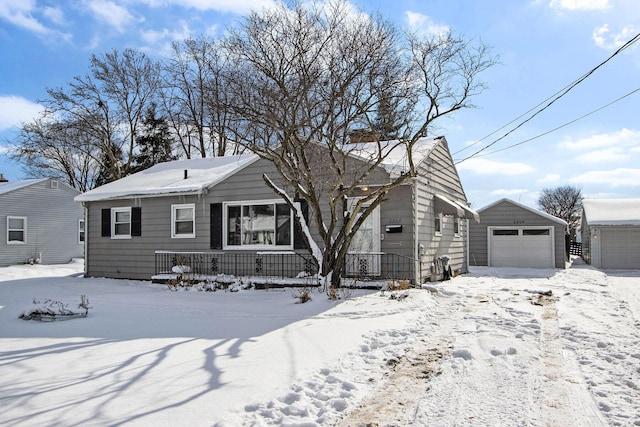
(155, 144)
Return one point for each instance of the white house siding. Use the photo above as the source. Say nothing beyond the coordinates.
(52, 223)
(438, 175)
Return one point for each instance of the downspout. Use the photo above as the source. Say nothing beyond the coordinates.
(86, 237)
(466, 230)
(416, 241)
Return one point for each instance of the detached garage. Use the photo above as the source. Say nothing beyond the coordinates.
(514, 235)
(611, 233)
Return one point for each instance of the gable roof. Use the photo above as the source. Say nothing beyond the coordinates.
(169, 178)
(520, 205)
(396, 160)
(611, 211)
(15, 185)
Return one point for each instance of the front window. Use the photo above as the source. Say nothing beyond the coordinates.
(438, 224)
(183, 219)
(16, 229)
(121, 223)
(258, 225)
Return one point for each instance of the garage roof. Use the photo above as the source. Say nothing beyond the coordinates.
(535, 211)
(612, 211)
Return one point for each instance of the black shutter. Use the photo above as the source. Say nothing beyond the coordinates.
(215, 225)
(106, 222)
(298, 235)
(136, 221)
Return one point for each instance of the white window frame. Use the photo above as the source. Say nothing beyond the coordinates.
(82, 232)
(440, 217)
(114, 212)
(23, 229)
(456, 226)
(242, 204)
(174, 210)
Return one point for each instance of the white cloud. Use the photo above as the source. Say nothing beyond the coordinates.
(424, 24)
(552, 177)
(579, 4)
(604, 147)
(235, 6)
(54, 14)
(501, 192)
(603, 39)
(491, 167)
(112, 14)
(20, 13)
(15, 109)
(622, 177)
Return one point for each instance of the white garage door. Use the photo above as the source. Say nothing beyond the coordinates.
(521, 247)
(620, 248)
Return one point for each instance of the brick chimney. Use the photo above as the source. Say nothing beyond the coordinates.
(3, 179)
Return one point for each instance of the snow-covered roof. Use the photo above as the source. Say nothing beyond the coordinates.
(395, 152)
(612, 211)
(168, 178)
(535, 211)
(15, 185)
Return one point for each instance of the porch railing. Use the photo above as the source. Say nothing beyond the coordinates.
(279, 265)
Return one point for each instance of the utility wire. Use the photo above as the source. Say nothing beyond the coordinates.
(558, 127)
(559, 95)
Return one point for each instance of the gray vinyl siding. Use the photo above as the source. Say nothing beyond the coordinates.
(52, 224)
(438, 175)
(134, 258)
(398, 210)
(505, 214)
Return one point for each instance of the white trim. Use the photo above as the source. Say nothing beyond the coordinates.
(520, 228)
(174, 209)
(114, 212)
(248, 247)
(23, 229)
(82, 230)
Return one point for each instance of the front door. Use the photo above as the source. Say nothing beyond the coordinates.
(364, 254)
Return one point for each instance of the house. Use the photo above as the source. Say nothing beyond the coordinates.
(217, 216)
(42, 222)
(514, 235)
(610, 230)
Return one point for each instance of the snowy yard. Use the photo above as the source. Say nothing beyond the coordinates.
(487, 348)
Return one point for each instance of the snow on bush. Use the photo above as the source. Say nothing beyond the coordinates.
(52, 310)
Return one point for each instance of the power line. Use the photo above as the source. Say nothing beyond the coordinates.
(553, 98)
(559, 127)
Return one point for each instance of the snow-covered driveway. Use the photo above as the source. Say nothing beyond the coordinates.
(510, 347)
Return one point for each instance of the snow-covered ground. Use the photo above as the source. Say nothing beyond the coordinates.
(488, 348)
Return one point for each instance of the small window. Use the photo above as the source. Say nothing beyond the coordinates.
(505, 232)
(80, 231)
(535, 232)
(437, 225)
(16, 229)
(121, 223)
(456, 226)
(183, 220)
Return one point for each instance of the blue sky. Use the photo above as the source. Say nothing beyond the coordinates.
(543, 46)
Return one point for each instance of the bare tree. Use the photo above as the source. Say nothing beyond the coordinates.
(564, 202)
(51, 148)
(107, 106)
(307, 76)
(196, 98)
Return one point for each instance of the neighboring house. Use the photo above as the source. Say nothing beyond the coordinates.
(219, 214)
(514, 235)
(41, 222)
(611, 233)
